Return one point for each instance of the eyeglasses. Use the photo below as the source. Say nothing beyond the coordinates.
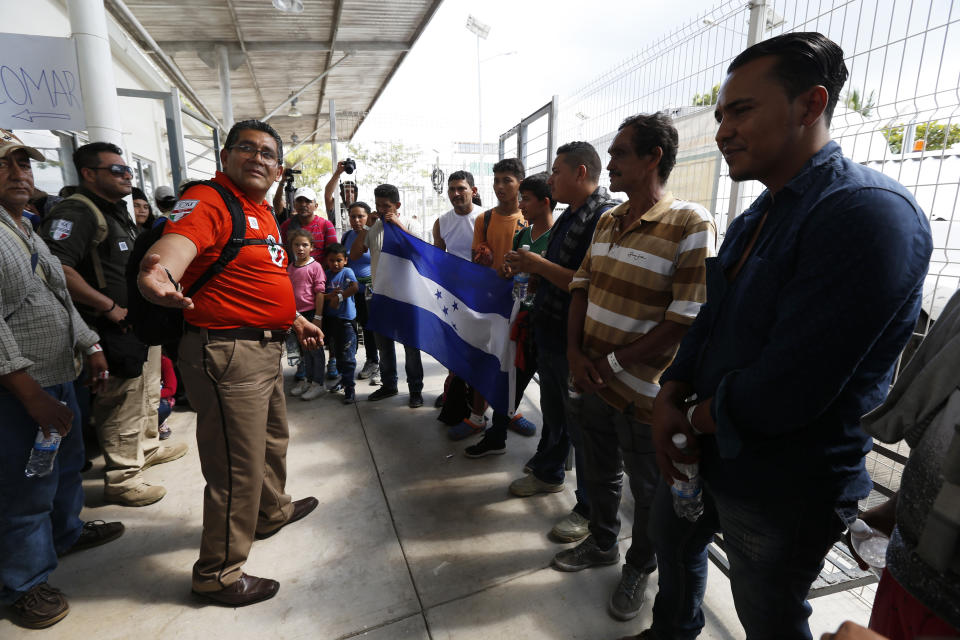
(269, 155)
(116, 169)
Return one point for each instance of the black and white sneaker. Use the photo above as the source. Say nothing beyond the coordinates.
(485, 447)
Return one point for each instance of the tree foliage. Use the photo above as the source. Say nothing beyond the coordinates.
(935, 136)
(707, 99)
(388, 162)
(862, 105)
(315, 166)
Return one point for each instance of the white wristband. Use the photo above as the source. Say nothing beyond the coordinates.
(615, 365)
(690, 411)
(95, 348)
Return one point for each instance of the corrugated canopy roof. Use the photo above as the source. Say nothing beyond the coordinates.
(276, 53)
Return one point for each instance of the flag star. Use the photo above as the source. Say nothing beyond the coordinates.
(445, 311)
(438, 294)
(456, 306)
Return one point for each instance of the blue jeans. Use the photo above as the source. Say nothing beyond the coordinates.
(342, 336)
(163, 411)
(775, 549)
(388, 365)
(559, 432)
(38, 516)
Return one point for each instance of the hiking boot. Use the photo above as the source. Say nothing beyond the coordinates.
(486, 447)
(465, 429)
(531, 485)
(584, 555)
(163, 455)
(139, 496)
(315, 390)
(299, 387)
(627, 598)
(572, 528)
(41, 607)
(519, 424)
(381, 393)
(416, 400)
(94, 534)
(369, 368)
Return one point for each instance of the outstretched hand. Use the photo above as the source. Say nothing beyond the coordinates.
(158, 287)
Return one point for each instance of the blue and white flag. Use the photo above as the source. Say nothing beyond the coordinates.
(457, 311)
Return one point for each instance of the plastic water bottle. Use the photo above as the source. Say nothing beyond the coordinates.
(521, 281)
(572, 390)
(43, 454)
(870, 544)
(687, 494)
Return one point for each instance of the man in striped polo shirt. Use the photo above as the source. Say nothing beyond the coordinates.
(637, 291)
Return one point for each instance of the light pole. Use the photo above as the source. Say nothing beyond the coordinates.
(481, 30)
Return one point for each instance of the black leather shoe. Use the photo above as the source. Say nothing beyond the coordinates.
(94, 534)
(301, 508)
(416, 400)
(246, 590)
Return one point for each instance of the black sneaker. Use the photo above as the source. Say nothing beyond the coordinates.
(584, 555)
(381, 393)
(416, 400)
(627, 599)
(486, 447)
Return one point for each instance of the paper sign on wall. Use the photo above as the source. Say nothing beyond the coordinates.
(39, 83)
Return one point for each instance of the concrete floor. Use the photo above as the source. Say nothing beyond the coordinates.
(411, 541)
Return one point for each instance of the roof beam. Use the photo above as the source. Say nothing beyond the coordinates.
(285, 46)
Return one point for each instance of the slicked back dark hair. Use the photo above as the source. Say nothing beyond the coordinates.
(457, 176)
(651, 131)
(88, 156)
(255, 125)
(537, 185)
(359, 203)
(582, 153)
(387, 191)
(804, 59)
(513, 166)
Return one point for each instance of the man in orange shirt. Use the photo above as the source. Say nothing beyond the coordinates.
(230, 359)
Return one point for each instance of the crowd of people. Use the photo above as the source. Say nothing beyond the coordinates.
(765, 353)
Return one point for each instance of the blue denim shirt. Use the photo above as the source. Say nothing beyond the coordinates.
(803, 342)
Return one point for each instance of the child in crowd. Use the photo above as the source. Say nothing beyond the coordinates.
(340, 315)
(493, 234)
(309, 282)
(168, 389)
(536, 203)
(358, 214)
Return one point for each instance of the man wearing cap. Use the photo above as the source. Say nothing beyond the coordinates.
(40, 334)
(323, 232)
(165, 198)
(230, 359)
(92, 234)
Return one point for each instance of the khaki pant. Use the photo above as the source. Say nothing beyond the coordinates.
(236, 388)
(123, 420)
(151, 382)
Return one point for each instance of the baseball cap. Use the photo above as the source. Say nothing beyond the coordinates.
(164, 192)
(305, 192)
(10, 143)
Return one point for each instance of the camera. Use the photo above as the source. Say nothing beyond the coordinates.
(349, 165)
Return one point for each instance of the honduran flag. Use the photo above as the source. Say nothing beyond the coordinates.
(457, 311)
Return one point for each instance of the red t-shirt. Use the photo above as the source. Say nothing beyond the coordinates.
(322, 230)
(254, 290)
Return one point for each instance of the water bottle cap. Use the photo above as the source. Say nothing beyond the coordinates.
(859, 526)
(679, 440)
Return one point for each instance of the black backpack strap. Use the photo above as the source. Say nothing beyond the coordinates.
(486, 222)
(237, 235)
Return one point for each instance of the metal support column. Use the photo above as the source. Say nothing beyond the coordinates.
(552, 122)
(335, 214)
(226, 97)
(755, 31)
(88, 26)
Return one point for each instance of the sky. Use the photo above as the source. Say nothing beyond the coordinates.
(559, 45)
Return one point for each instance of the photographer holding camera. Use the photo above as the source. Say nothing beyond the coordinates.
(348, 190)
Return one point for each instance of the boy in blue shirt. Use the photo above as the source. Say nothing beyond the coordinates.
(339, 315)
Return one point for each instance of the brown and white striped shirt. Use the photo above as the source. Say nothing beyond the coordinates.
(636, 278)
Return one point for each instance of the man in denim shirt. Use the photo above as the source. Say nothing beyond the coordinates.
(813, 294)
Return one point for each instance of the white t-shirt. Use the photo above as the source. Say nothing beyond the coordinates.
(456, 231)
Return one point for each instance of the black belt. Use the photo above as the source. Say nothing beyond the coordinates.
(242, 333)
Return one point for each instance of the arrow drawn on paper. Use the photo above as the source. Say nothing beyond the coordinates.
(28, 116)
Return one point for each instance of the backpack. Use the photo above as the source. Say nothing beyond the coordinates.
(155, 324)
(98, 237)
